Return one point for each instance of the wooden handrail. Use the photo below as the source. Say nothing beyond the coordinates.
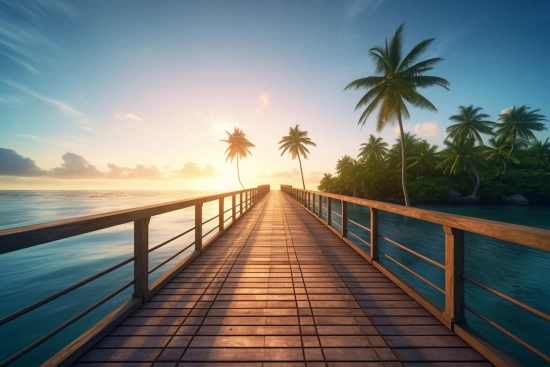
(527, 236)
(454, 227)
(14, 239)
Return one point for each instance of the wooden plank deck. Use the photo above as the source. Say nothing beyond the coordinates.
(280, 289)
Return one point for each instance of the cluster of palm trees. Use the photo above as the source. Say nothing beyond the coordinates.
(511, 143)
(396, 82)
(294, 143)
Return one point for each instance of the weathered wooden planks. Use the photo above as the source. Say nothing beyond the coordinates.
(280, 287)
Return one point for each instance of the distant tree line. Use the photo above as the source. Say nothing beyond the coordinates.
(512, 162)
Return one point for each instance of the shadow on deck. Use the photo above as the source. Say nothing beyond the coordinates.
(280, 289)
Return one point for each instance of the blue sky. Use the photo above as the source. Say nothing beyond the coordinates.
(137, 95)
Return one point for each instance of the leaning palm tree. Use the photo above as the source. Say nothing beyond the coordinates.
(396, 82)
(238, 148)
(469, 124)
(374, 151)
(295, 143)
(518, 123)
(462, 154)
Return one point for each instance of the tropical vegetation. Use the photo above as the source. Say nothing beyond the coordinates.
(397, 81)
(512, 162)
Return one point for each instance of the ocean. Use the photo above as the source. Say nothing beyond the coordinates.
(28, 275)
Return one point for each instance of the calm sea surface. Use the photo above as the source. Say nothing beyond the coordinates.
(28, 275)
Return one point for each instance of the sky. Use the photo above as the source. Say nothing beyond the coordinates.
(137, 95)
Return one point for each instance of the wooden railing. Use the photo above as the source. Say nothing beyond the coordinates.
(24, 237)
(454, 227)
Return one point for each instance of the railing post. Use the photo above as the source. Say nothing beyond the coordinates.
(233, 208)
(309, 200)
(320, 202)
(198, 227)
(454, 268)
(221, 218)
(241, 206)
(373, 234)
(141, 258)
(246, 206)
(329, 210)
(344, 218)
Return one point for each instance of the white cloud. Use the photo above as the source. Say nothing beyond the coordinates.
(428, 129)
(127, 116)
(265, 101)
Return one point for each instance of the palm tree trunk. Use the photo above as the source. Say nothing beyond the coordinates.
(403, 163)
(303, 183)
(478, 181)
(509, 156)
(238, 173)
(469, 174)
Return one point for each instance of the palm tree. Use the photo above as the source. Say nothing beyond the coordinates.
(395, 154)
(518, 122)
(295, 143)
(426, 157)
(346, 168)
(469, 124)
(497, 152)
(374, 151)
(397, 81)
(539, 153)
(327, 183)
(461, 154)
(238, 147)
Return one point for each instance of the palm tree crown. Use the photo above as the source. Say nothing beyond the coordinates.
(295, 143)
(374, 151)
(396, 82)
(519, 122)
(470, 122)
(238, 148)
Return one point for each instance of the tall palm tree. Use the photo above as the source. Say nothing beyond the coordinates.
(518, 122)
(374, 151)
(396, 82)
(426, 158)
(461, 154)
(295, 143)
(238, 148)
(470, 122)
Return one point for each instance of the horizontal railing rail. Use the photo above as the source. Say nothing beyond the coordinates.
(454, 228)
(15, 239)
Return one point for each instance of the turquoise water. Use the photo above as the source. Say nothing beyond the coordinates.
(31, 274)
(517, 271)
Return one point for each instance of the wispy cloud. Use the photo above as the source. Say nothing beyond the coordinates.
(127, 116)
(354, 8)
(63, 107)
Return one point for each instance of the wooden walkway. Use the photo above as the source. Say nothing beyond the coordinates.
(280, 289)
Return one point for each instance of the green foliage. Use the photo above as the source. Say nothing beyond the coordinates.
(431, 188)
